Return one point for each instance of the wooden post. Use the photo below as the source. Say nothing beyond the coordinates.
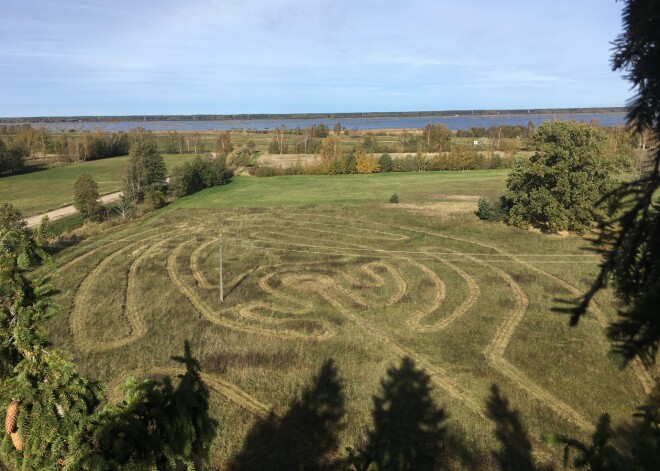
(222, 298)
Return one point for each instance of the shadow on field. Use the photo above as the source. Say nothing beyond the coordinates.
(515, 445)
(409, 430)
(305, 437)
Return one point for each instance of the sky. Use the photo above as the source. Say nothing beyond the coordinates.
(145, 57)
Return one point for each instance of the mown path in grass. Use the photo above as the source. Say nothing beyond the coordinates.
(287, 288)
(362, 283)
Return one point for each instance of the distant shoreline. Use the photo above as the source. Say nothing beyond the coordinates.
(303, 116)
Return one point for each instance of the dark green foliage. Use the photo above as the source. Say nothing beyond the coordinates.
(154, 199)
(144, 172)
(515, 445)
(197, 174)
(158, 425)
(321, 131)
(266, 171)
(405, 164)
(490, 211)
(408, 427)
(632, 240)
(55, 402)
(305, 437)
(394, 198)
(85, 197)
(386, 163)
(24, 301)
(566, 178)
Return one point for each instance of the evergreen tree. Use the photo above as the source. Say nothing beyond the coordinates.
(158, 425)
(632, 240)
(50, 404)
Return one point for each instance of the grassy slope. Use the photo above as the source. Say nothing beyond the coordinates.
(267, 223)
(36, 192)
(333, 189)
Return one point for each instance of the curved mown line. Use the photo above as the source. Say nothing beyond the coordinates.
(244, 311)
(84, 296)
(415, 322)
(495, 351)
(90, 252)
(462, 309)
(643, 375)
(438, 374)
(379, 281)
(202, 281)
(646, 380)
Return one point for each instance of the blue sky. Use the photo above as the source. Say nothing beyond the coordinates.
(109, 57)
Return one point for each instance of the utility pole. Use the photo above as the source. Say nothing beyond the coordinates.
(222, 298)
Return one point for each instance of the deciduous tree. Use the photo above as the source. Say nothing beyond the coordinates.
(145, 171)
(85, 197)
(569, 173)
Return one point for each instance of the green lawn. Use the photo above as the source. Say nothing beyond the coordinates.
(415, 188)
(322, 267)
(36, 192)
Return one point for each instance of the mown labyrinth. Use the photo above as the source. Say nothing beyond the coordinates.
(304, 286)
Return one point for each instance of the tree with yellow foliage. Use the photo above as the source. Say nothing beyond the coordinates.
(366, 162)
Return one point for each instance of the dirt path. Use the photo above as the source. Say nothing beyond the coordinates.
(65, 211)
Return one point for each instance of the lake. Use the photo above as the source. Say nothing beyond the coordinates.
(410, 122)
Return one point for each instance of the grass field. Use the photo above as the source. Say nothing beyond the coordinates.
(40, 191)
(319, 267)
(418, 187)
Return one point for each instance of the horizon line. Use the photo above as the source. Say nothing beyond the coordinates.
(311, 115)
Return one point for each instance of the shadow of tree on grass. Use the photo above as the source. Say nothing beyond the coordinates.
(409, 430)
(305, 437)
(516, 447)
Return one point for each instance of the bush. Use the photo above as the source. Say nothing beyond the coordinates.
(394, 198)
(266, 171)
(154, 199)
(365, 162)
(488, 211)
(386, 163)
(197, 174)
(405, 164)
